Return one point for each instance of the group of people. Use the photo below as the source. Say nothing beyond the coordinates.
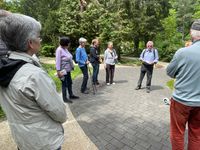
(64, 65)
(34, 109)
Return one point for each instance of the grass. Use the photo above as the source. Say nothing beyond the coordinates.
(130, 62)
(50, 68)
(170, 84)
(1, 113)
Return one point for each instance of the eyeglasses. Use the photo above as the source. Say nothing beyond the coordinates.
(40, 39)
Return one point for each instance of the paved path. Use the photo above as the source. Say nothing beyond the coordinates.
(118, 117)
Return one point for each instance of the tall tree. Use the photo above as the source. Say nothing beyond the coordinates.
(185, 10)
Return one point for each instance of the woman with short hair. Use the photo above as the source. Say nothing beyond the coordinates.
(64, 66)
(110, 57)
(34, 110)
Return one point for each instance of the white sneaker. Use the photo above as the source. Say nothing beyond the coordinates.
(113, 83)
(107, 83)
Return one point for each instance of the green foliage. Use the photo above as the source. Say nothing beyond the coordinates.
(130, 62)
(129, 23)
(48, 51)
(169, 40)
(1, 113)
(170, 84)
(50, 68)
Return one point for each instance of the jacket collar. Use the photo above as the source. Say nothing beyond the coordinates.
(25, 57)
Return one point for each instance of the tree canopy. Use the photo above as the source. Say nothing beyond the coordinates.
(128, 23)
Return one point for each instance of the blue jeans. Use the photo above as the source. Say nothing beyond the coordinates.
(95, 72)
(84, 70)
(67, 85)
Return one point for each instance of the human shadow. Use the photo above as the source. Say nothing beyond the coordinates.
(156, 87)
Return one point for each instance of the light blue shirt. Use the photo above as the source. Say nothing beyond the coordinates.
(149, 55)
(81, 56)
(185, 68)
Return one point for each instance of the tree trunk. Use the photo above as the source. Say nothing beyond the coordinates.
(136, 46)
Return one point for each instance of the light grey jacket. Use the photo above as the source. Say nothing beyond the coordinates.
(110, 58)
(34, 109)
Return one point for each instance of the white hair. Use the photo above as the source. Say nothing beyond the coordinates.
(17, 30)
(110, 43)
(195, 33)
(81, 40)
(150, 43)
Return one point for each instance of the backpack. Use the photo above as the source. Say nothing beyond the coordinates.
(154, 53)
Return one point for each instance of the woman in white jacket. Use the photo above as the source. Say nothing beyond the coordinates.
(110, 59)
(28, 96)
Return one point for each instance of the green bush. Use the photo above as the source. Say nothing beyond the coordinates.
(48, 51)
(1, 113)
(50, 68)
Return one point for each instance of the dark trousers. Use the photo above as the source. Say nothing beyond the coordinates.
(84, 70)
(110, 70)
(95, 72)
(67, 85)
(146, 69)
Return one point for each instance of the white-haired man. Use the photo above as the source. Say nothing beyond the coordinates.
(82, 60)
(149, 57)
(185, 101)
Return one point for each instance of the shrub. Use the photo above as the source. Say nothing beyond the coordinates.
(48, 51)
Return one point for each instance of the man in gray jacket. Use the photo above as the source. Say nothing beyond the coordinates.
(34, 110)
(185, 101)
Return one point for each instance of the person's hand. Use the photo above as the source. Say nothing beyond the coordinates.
(87, 62)
(60, 74)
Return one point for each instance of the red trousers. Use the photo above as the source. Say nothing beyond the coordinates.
(180, 115)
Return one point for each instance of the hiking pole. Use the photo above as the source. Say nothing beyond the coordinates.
(94, 88)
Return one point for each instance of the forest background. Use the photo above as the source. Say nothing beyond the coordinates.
(128, 23)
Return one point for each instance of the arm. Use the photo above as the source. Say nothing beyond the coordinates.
(141, 56)
(58, 59)
(115, 54)
(78, 56)
(42, 89)
(156, 56)
(93, 53)
(172, 68)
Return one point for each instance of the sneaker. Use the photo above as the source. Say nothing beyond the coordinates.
(107, 83)
(97, 83)
(137, 88)
(74, 97)
(113, 83)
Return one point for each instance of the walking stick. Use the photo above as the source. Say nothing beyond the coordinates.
(94, 88)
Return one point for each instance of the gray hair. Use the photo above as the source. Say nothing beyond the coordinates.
(110, 43)
(17, 30)
(195, 33)
(81, 40)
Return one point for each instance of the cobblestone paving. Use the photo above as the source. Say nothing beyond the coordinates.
(120, 118)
